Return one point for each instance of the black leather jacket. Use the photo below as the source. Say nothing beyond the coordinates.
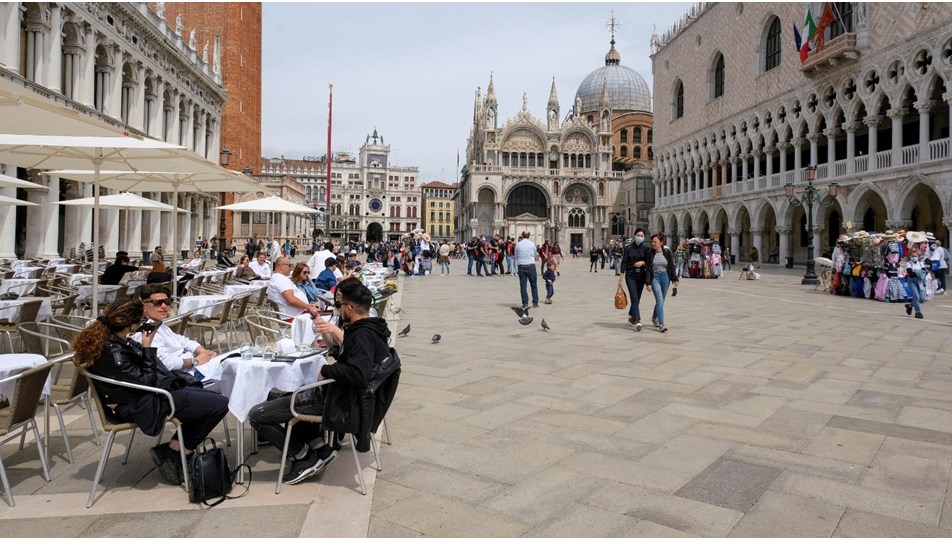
(128, 361)
(635, 253)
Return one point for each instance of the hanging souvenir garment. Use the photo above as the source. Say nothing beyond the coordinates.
(716, 268)
(881, 284)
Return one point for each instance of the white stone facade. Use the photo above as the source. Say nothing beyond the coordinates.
(121, 63)
(870, 111)
(371, 198)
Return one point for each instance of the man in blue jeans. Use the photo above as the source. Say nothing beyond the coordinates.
(526, 255)
(471, 254)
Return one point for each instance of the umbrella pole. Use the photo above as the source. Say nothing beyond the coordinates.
(97, 166)
(175, 239)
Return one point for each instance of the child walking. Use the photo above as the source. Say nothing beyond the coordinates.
(549, 277)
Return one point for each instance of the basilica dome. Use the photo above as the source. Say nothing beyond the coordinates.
(627, 90)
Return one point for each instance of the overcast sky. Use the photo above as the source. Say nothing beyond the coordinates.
(411, 70)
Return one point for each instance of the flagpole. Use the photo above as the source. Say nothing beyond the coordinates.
(330, 118)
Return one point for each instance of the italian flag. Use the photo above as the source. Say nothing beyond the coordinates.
(809, 31)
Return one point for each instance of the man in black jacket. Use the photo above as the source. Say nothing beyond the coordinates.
(356, 348)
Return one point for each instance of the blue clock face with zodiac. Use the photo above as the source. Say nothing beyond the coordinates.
(376, 205)
(377, 160)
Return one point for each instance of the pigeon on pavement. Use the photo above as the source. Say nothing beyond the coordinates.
(525, 320)
(436, 338)
(404, 332)
(520, 311)
(544, 326)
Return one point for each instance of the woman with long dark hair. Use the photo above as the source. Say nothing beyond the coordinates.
(105, 348)
(660, 276)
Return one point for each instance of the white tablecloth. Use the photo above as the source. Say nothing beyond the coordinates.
(20, 264)
(10, 309)
(19, 286)
(246, 383)
(24, 272)
(106, 293)
(234, 290)
(11, 364)
(201, 304)
(65, 268)
(215, 276)
(55, 262)
(74, 279)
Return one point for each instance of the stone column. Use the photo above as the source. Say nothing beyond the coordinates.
(831, 134)
(733, 161)
(783, 147)
(8, 214)
(735, 243)
(10, 37)
(133, 232)
(850, 129)
(54, 68)
(896, 116)
(707, 177)
(872, 122)
(757, 239)
(818, 239)
(924, 108)
(85, 91)
(769, 151)
(50, 219)
(137, 99)
(109, 232)
(784, 246)
(813, 138)
(165, 224)
(744, 170)
(797, 160)
(756, 155)
(723, 179)
(175, 135)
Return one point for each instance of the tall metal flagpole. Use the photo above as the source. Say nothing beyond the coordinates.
(330, 119)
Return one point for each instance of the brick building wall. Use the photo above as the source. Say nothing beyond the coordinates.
(239, 24)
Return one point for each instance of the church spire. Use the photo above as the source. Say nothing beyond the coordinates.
(603, 100)
(612, 58)
(553, 96)
(491, 91)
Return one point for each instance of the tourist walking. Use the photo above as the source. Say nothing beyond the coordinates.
(549, 277)
(618, 251)
(635, 259)
(444, 258)
(660, 276)
(526, 255)
(914, 279)
(940, 256)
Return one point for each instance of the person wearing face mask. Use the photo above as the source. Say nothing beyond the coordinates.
(635, 259)
(914, 272)
(940, 256)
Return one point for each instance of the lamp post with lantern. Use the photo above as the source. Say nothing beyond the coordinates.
(809, 197)
(224, 159)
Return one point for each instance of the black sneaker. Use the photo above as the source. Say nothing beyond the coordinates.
(919, 315)
(310, 465)
(908, 309)
(535, 304)
(169, 464)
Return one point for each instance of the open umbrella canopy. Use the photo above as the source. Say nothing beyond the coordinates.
(214, 181)
(25, 112)
(122, 201)
(270, 204)
(9, 181)
(10, 201)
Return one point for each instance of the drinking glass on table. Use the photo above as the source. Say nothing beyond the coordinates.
(261, 343)
(270, 351)
(245, 350)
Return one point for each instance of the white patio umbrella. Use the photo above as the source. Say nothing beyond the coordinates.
(270, 204)
(116, 153)
(9, 181)
(214, 181)
(10, 201)
(123, 201)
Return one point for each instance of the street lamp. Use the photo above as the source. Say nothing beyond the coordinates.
(224, 159)
(251, 228)
(314, 226)
(809, 197)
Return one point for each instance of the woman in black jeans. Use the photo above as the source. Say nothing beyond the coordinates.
(634, 262)
(105, 348)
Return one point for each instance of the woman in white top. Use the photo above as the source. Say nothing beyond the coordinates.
(940, 254)
(195, 264)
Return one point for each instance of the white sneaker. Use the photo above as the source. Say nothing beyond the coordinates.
(940, 291)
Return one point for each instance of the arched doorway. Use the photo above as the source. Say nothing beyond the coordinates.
(672, 236)
(833, 222)
(485, 208)
(374, 232)
(527, 199)
(746, 242)
(703, 225)
(688, 227)
(870, 212)
(922, 208)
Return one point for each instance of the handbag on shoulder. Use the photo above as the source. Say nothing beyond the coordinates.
(209, 476)
(621, 299)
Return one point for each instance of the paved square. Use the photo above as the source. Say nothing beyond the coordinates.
(768, 409)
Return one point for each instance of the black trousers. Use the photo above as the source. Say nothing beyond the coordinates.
(270, 417)
(198, 410)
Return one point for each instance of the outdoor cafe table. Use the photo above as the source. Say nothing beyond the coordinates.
(55, 262)
(10, 365)
(74, 279)
(10, 309)
(247, 383)
(202, 304)
(24, 272)
(234, 290)
(18, 286)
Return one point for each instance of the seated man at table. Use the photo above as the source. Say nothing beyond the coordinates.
(174, 351)
(327, 279)
(113, 274)
(282, 291)
(356, 348)
(157, 255)
(260, 265)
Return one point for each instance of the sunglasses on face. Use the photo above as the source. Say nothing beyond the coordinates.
(338, 304)
(159, 302)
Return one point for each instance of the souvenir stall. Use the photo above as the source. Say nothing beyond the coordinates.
(870, 266)
(702, 258)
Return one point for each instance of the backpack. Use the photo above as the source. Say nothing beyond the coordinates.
(209, 476)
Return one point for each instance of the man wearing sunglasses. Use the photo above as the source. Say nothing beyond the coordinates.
(174, 350)
(291, 300)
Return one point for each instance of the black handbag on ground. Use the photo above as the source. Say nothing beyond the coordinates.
(209, 476)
